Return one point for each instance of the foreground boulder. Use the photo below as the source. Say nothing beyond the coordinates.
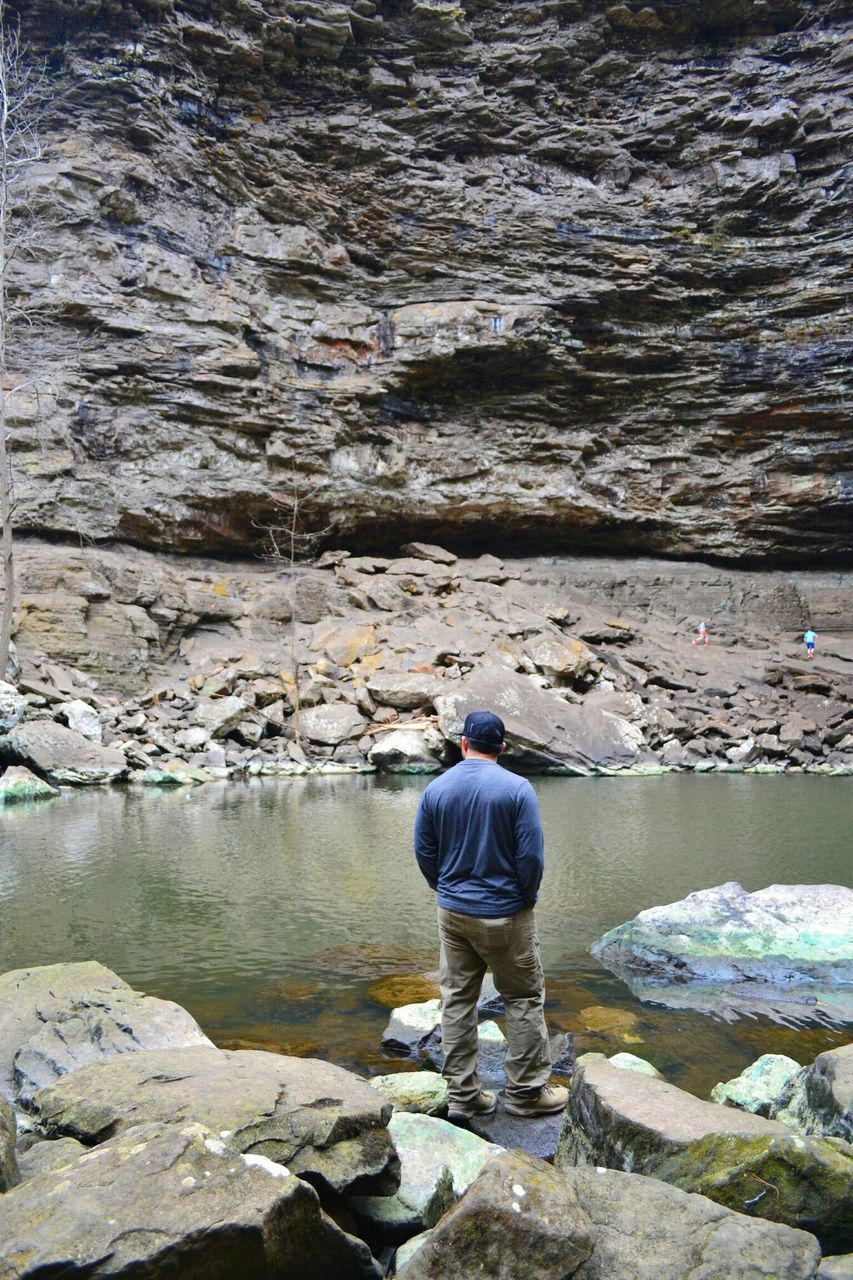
(805, 1182)
(781, 936)
(648, 1230)
(57, 1018)
(166, 1200)
(634, 1122)
(518, 1219)
(438, 1162)
(62, 755)
(325, 1123)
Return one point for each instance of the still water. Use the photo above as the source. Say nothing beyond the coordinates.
(273, 910)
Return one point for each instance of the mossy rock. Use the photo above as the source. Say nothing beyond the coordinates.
(403, 989)
(804, 1182)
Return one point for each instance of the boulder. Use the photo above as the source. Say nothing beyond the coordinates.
(218, 716)
(836, 1267)
(403, 751)
(427, 551)
(561, 657)
(630, 1062)
(20, 784)
(41, 1157)
(327, 1124)
(82, 718)
(781, 936)
(624, 1120)
(804, 1182)
(819, 1099)
(421, 1092)
(59, 1017)
(331, 723)
(627, 1120)
(13, 707)
(542, 729)
(646, 1229)
(758, 1088)
(61, 754)
(438, 1162)
(405, 689)
(519, 1218)
(8, 1135)
(165, 1200)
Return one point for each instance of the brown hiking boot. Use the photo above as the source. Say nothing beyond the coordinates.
(483, 1105)
(552, 1098)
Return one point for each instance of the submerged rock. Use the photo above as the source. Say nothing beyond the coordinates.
(57, 1018)
(325, 1123)
(784, 936)
(169, 1200)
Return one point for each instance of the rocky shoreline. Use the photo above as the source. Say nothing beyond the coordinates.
(158, 1151)
(365, 663)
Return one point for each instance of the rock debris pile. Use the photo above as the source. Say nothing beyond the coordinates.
(372, 663)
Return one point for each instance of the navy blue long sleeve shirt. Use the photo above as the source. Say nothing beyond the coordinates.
(479, 841)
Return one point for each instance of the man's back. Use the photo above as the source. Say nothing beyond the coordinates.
(478, 840)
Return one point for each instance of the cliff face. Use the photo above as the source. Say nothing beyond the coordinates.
(555, 276)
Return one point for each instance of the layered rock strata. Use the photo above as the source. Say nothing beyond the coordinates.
(566, 275)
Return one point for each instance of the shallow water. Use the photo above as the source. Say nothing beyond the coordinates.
(271, 910)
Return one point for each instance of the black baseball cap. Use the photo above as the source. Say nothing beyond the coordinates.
(484, 729)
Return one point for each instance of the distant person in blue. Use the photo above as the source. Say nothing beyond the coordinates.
(809, 640)
(479, 844)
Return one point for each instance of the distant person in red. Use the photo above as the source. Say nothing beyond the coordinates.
(701, 636)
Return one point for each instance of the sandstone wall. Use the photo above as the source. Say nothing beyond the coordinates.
(556, 276)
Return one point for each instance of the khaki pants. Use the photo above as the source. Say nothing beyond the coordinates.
(509, 947)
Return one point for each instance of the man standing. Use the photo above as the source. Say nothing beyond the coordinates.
(479, 843)
(809, 640)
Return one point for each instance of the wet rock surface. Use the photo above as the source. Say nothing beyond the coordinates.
(523, 276)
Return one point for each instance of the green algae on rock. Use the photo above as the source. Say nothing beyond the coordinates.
(804, 1182)
(19, 785)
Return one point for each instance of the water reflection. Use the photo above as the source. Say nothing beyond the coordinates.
(270, 909)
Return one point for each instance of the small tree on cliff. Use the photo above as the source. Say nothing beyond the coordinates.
(21, 86)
